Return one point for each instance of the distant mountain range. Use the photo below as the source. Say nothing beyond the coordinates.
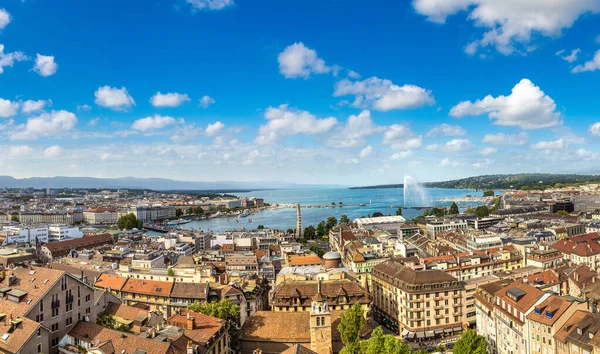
(140, 183)
(515, 181)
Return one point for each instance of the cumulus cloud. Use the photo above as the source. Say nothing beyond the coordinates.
(591, 65)
(8, 108)
(153, 123)
(402, 155)
(366, 151)
(585, 154)
(446, 130)
(383, 95)
(446, 162)
(506, 139)
(527, 107)
(206, 101)
(401, 137)
(488, 150)
(594, 128)
(4, 18)
(298, 60)
(9, 59)
(47, 124)
(354, 132)
(458, 145)
(84, 108)
(20, 151)
(550, 145)
(285, 121)
(214, 128)
(484, 164)
(45, 65)
(53, 151)
(569, 57)
(214, 5)
(510, 25)
(173, 99)
(30, 106)
(114, 98)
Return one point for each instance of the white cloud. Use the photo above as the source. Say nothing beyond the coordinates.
(458, 145)
(45, 65)
(585, 154)
(113, 98)
(210, 4)
(9, 59)
(299, 61)
(53, 151)
(527, 107)
(186, 133)
(591, 65)
(551, 145)
(30, 106)
(206, 101)
(401, 137)
(402, 155)
(383, 95)
(153, 123)
(571, 57)
(366, 151)
(284, 121)
(488, 150)
(510, 24)
(594, 129)
(84, 108)
(432, 147)
(506, 139)
(446, 162)
(353, 74)
(446, 130)
(354, 132)
(20, 151)
(8, 108)
(214, 128)
(47, 124)
(93, 122)
(4, 18)
(484, 164)
(173, 99)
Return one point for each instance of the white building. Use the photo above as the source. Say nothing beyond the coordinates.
(434, 227)
(100, 216)
(183, 249)
(24, 234)
(62, 232)
(387, 223)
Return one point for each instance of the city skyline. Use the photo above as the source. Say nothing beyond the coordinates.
(327, 92)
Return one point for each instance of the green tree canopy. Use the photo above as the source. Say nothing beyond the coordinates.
(260, 227)
(225, 310)
(470, 343)
(128, 222)
(399, 211)
(290, 231)
(351, 324)
(454, 209)
(178, 212)
(344, 220)
(563, 212)
(317, 250)
(321, 229)
(310, 233)
(488, 193)
(383, 343)
(331, 222)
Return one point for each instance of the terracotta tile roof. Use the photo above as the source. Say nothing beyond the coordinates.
(204, 327)
(100, 210)
(62, 248)
(411, 276)
(298, 349)
(284, 293)
(114, 282)
(148, 287)
(287, 327)
(76, 271)
(569, 326)
(121, 341)
(584, 245)
(553, 306)
(124, 311)
(19, 337)
(189, 291)
(582, 276)
(228, 247)
(294, 261)
(545, 278)
(260, 253)
(530, 297)
(590, 327)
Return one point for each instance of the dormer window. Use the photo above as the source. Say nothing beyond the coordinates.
(579, 331)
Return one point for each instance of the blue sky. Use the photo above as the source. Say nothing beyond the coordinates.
(303, 91)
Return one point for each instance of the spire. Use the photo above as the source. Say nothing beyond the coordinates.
(319, 296)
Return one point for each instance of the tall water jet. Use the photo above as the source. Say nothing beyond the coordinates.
(414, 192)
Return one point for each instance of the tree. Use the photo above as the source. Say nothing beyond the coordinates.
(14, 218)
(317, 250)
(225, 310)
(399, 211)
(170, 272)
(106, 320)
(178, 212)
(260, 227)
(454, 209)
(383, 343)
(290, 231)
(341, 204)
(563, 212)
(310, 233)
(321, 229)
(351, 324)
(128, 222)
(488, 193)
(470, 343)
(189, 211)
(330, 223)
(376, 214)
(344, 220)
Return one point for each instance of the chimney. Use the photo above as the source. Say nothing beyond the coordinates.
(190, 322)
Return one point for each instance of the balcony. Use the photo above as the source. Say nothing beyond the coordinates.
(441, 315)
(69, 299)
(55, 304)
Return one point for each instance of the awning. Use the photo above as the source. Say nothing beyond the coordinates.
(410, 335)
(420, 335)
(457, 329)
(447, 330)
(404, 332)
(429, 334)
(439, 331)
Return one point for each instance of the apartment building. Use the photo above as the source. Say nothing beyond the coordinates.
(58, 233)
(417, 304)
(544, 258)
(24, 234)
(485, 300)
(151, 213)
(42, 305)
(100, 216)
(579, 334)
(584, 249)
(48, 218)
(241, 265)
(434, 227)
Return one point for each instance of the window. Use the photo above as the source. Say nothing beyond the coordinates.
(39, 331)
(54, 327)
(69, 321)
(54, 342)
(39, 348)
(42, 305)
(55, 312)
(39, 318)
(88, 297)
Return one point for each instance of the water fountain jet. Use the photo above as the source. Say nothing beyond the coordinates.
(414, 192)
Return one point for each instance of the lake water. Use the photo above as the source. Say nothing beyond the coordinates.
(385, 201)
